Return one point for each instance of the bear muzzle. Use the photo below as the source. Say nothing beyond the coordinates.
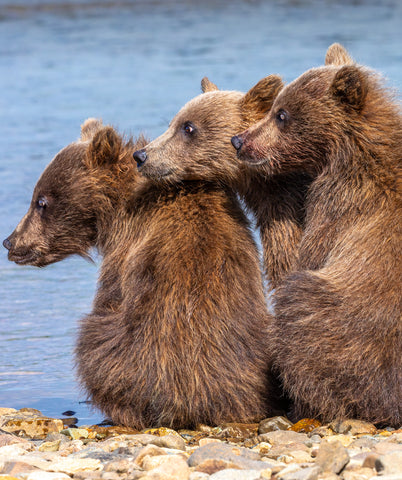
(140, 156)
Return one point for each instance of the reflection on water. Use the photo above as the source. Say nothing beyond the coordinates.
(133, 63)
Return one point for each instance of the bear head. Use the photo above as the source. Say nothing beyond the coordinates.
(76, 189)
(310, 118)
(196, 146)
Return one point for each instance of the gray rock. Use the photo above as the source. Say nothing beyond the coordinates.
(274, 423)
(282, 437)
(310, 473)
(237, 457)
(332, 456)
(389, 464)
(233, 474)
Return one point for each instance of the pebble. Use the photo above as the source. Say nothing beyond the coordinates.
(274, 449)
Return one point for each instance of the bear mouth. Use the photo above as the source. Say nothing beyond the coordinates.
(24, 258)
(251, 159)
(156, 174)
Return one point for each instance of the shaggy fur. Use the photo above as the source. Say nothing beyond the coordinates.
(178, 331)
(197, 146)
(338, 315)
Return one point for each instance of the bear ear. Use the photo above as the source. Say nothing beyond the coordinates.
(89, 128)
(338, 55)
(104, 148)
(207, 85)
(349, 88)
(258, 101)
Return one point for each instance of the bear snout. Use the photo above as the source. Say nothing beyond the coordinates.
(7, 244)
(237, 142)
(140, 156)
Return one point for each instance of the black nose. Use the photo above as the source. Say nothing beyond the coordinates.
(237, 142)
(140, 156)
(7, 244)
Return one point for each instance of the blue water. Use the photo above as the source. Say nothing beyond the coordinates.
(134, 64)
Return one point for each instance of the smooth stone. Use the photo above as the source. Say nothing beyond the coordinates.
(290, 469)
(17, 467)
(386, 447)
(233, 474)
(309, 473)
(389, 464)
(150, 462)
(198, 476)
(274, 423)
(213, 465)
(122, 465)
(332, 456)
(353, 427)
(174, 467)
(86, 476)
(147, 451)
(358, 474)
(30, 424)
(282, 437)
(241, 457)
(364, 442)
(305, 425)
(47, 476)
(72, 465)
(345, 440)
(237, 430)
(49, 446)
(10, 439)
(75, 433)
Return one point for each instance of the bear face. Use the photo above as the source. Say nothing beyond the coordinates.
(310, 118)
(62, 217)
(196, 145)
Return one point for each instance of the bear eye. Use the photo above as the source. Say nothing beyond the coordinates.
(42, 203)
(188, 128)
(282, 117)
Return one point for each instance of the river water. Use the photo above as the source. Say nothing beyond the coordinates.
(133, 63)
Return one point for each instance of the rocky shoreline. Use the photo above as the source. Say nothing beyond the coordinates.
(35, 447)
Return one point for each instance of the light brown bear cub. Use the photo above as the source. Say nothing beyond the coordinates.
(178, 331)
(338, 316)
(196, 146)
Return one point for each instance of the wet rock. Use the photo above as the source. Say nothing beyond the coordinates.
(237, 430)
(274, 423)
(69, 422)
(332, 457)
(353, 427)
(282, 437)
(389, 464)
(32, 425)
(306, 425)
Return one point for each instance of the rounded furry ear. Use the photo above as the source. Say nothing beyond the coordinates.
(104, 148)
(349, 88)
(90, 127)
(258, 101)
(338, 55)
(207, 85)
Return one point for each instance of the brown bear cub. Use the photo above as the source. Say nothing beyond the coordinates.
(338, 322)
(178, 331)
(196, 146)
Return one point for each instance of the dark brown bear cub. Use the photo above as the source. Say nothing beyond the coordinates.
(178, 331)
(338, 316)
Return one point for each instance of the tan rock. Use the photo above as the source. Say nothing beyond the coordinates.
(72, 465)
(30, 424)
(6, 411)
(155, 461)
(173, 468)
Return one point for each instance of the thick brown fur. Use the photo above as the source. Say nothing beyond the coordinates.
(205, 154)
(178, 331)
(338, 315)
